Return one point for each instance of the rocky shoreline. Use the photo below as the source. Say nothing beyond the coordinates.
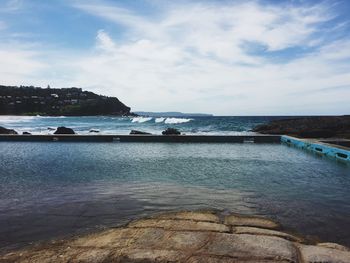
(69, 131)
(202, 236)
(309, 127)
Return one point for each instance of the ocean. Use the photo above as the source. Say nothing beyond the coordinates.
(56, 190)
(123, 125)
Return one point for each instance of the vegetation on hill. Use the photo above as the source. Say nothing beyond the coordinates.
(31, 100)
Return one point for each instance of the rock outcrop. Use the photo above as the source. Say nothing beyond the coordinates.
(309, 127)
(171, 131)
(3, 130)
(64, 130)
(136, 132)
(186, 237)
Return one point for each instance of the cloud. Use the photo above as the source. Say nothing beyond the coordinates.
(238, 58)
(10, 6)
(195, 56)
(18, 63)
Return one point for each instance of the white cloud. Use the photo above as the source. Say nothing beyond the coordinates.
(207, 58)
(194, 58)
(19, 65)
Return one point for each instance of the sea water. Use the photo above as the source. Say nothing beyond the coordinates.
(53, 190)
(123, 125)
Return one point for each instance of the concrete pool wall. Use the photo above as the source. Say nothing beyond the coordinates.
(146, 138)
(324, 147)
(330, 148)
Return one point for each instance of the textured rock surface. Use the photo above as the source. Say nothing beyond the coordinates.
(309, 127)
(64, 130)
(264, 232)
(238, 220)
(3, 130)
(186, 237)
(323, 254)
(171, 131)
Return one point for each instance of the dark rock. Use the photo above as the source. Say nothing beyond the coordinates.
(3, 130)
(139, 132)
(95, 131)
(51, 129)
(64, 130)
(26, 133)
(309, 127)
(317, 134)
(171, 131)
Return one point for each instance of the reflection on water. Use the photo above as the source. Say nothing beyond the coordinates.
(50, 190)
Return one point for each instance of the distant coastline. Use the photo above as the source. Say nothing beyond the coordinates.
(172, 114)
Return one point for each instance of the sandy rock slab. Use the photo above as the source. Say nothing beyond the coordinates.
(192, 237)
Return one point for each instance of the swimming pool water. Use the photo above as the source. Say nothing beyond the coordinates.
(52, 190)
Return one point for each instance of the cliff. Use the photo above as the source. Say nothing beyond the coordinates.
(31, 100)
(309, 127)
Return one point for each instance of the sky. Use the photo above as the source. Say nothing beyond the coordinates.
(222, 57)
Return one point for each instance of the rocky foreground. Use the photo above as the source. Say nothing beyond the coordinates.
(309, 127)
(187, 237)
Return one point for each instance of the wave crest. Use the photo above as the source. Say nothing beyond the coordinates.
(176, 120)
(141, 119)
(158, 120)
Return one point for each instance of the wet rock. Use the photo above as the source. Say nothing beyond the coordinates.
(264, 232)
(26, 133)
(113, 238)
(64, 130)
(171, 131)
(317, 134)
(193, 237)
(323, 254)
(94, 131)
(238, 220)
(50, 129)
(138, 132)
(195, 216)
(3, 130)
(180, 225)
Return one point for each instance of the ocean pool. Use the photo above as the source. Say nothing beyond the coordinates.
(53, 190)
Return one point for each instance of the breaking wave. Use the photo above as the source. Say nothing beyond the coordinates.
(13, 119)
(141, 119)
(158, 120)
(176, 120)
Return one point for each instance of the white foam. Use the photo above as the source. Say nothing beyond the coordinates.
(14, 119)
(51, 117)
(141, 119)
(176, 120)
(158, 120)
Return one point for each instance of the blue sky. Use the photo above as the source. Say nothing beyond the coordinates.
(222, 57)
